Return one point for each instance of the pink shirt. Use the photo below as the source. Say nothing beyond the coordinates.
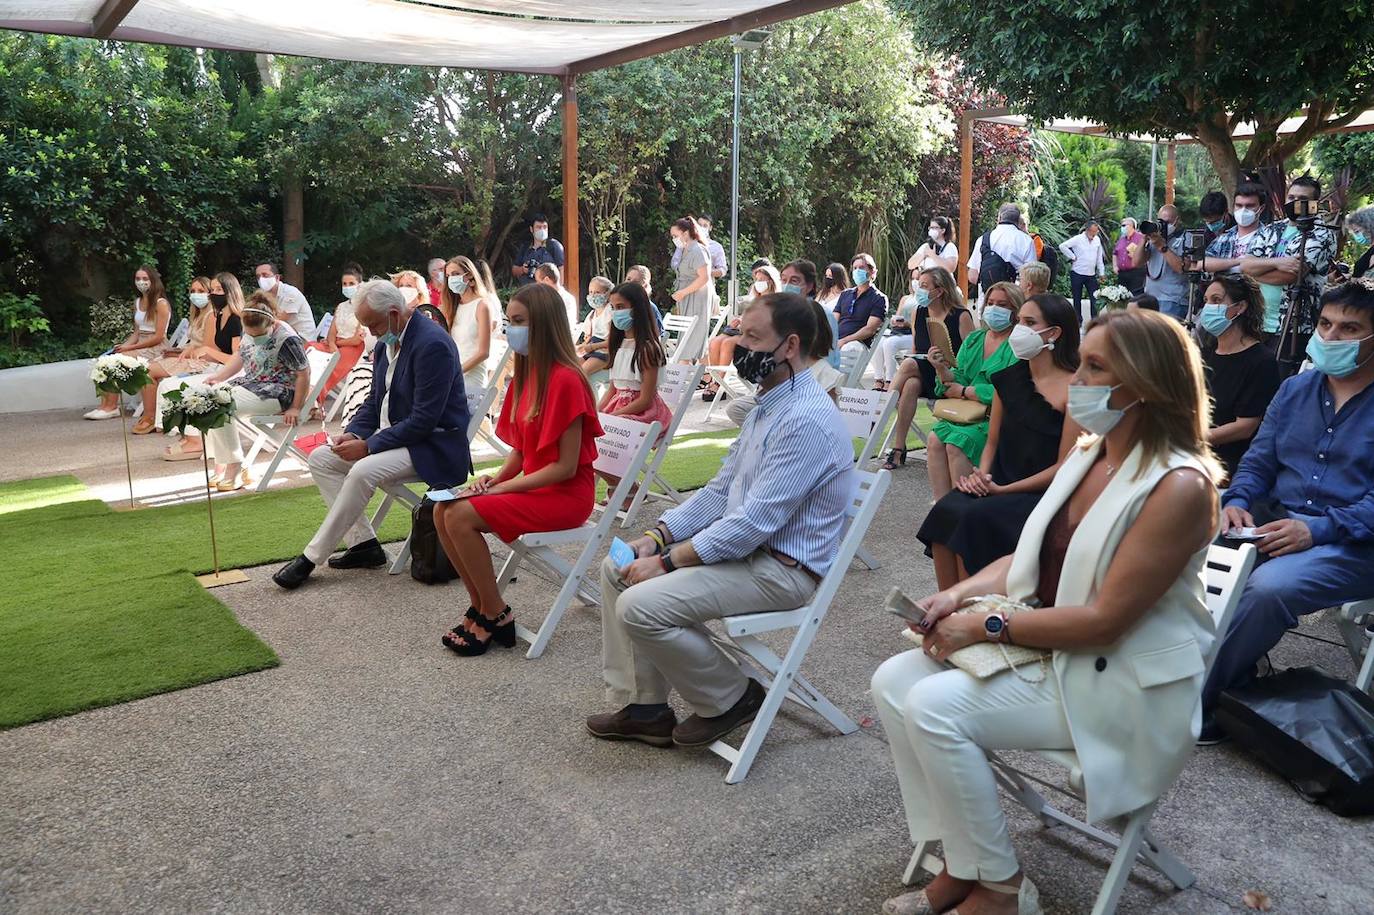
(1123, 259)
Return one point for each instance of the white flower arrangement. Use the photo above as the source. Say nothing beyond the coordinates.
(1114, 296)
(199, 405)
(115, 373)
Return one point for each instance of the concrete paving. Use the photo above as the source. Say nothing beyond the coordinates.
(375, 771)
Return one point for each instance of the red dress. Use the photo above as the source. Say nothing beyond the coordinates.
(560, 506)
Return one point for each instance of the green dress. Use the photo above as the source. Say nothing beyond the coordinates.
(972, 370)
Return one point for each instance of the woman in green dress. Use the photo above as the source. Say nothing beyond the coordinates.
(954, 449)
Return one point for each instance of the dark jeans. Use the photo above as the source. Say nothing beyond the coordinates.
(1133, 279)
(1078, 283)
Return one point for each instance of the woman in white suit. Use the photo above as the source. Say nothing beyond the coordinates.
(1114, 558)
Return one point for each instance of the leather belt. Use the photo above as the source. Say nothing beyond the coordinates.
(792, 563)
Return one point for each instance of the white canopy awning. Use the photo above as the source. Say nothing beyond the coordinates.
(529, 36)
(1243, 131)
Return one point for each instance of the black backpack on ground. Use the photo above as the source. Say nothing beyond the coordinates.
(992, 267)
(428, 562)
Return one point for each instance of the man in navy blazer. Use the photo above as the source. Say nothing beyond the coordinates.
(413, 426)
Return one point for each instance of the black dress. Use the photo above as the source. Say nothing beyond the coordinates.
(982, 530)
(1241, 385)
(921, 342)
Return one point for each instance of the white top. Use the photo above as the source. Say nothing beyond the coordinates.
(295, 310)
(142, 320)
(624, 375)
(1086, 254)
(570, 304)
(829, 302)
(1014, 246)
(949, 250)
(465, 334)
(346, 319)
(597, 323)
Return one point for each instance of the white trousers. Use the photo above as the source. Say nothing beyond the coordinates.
(223, 443)
(888, 351)
(347, 487)
(654, 636)
(938, 723)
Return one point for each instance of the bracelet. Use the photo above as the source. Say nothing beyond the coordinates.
(657, 538)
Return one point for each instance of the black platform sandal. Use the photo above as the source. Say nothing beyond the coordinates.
(462, 641)
(895, 458)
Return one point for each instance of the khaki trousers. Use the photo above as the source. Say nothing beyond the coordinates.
(347, 487)
(654, 636)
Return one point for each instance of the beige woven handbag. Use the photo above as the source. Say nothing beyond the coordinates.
(982, 659)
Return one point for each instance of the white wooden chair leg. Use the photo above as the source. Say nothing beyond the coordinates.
(758, 729)
(510, 566)
(1364, 680)
(922, 859)
(868, 560)
(398, 565)
(383, 510)
(282, 451)
(815, 700)
(1120, 871)
(1158, 857)
(540, 640)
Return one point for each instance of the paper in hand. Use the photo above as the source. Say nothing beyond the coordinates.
(440, 495)
(621, 554)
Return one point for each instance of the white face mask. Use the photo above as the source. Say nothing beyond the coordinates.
(760, 286)
(1245, 217)
(915, 283)
(265, 283)
(679, 240)
(1088, 406)
(541, 234)
(410, 294)
(934, 234)
(1027, 342)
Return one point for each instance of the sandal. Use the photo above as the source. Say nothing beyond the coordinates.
(142, 427)
(178, 452)
(461, 640)
(895, 458)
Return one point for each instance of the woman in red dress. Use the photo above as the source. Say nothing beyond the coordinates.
(546, 484)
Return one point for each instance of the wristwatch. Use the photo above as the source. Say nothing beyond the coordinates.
(995, 627)
(667, 560)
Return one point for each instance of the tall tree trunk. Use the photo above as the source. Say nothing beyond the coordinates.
(1216, 138)
(292, 196)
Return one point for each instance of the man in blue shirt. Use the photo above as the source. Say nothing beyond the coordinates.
(1309, 473)
(758, 537)
(861, 308)
(540, 249)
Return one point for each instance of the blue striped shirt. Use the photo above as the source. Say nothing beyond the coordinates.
(785, 484)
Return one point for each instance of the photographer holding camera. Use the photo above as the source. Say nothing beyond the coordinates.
(540, 249)
(1162, 258)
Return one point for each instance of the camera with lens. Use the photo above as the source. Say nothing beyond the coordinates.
(1148, 228)
(1195, 249)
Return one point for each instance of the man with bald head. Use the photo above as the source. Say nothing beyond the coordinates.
(413, 426)
(1162, 258)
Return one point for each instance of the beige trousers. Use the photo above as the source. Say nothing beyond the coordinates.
(347, 487)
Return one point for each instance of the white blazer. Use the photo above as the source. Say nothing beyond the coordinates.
(1133, 707)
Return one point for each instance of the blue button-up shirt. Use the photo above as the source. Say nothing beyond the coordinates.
(854, 310)
(1317, 462)
(785, 484)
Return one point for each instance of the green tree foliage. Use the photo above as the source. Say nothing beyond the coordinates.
(1173, 68)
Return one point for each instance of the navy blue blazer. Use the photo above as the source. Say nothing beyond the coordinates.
(427, 405)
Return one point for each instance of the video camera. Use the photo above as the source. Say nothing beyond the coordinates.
(1302, 212)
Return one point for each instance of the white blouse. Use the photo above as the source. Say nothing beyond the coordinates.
(624, 375)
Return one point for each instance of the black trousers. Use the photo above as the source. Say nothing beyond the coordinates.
(1078, 283)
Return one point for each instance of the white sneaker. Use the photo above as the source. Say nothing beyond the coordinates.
(98, 413)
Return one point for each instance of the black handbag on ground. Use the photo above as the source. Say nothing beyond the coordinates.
(428, 562)
(1315, 730)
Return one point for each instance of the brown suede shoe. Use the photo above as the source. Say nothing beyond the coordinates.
(697, 731)
(656, 732)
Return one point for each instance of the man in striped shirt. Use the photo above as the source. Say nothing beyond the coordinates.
(758, 537)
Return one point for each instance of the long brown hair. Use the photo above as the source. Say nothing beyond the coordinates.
(550, 342)
(148, 300)
(233, 293)
(1153, 355)
(450, 300)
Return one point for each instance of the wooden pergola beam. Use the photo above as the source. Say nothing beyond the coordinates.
(703, 33)
(966, 121)
(571, 230)
(109, 16)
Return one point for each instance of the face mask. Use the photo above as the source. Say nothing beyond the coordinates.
(1335, 358)
(259, 339)
(219, 300)
(457, 285)
(679, 241)
(265, 283)
(541, 234)
(934, 234)
(518, 337)
(922, 296)
(1088, 407)
(1027, 342)
(860, 276)
(410, 294)
(792, 288)
(596, 299)
(623, 318)
(142, 285)
(1245, 217)
(349, 291)
(200, 299)
(997, 317)
(915, 287)
(754, 365)
(1359, 238)
(1216, 226)
(760, 286)
(1214, 319)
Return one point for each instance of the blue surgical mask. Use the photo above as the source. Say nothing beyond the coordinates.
(623, 318)
(200, 299)
(457, 285)
(1335, 358)
(1359, 238)
(596, 299)
(922, 297)
(1217, 226)
(259, 339)
(997, 317)
(350, 291)
(860, 276)
(518, 336)
(792, 288)
(1214, 319)
(1088, 406)
(389, 339)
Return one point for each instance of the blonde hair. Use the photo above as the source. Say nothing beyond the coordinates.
(550, 342)
(950, 296)
(1037, 274)
(233, 293)
(450, 300)
(1152, 355)
(201, 318)
(601, 283)
(421, 285)
(259, 302)
(1013, 291)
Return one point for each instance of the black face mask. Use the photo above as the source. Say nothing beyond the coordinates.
(219, 300)
(754, 365)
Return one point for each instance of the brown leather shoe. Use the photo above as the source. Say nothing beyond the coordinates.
(656, 732)
(697, 731)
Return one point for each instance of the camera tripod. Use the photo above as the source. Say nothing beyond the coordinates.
(1290, 342)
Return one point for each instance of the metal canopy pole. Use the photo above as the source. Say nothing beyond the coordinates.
(731, 277)
(1154, 155)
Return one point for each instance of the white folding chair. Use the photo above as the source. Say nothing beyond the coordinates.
(322, 330)
(480, 403)
(1353, 620)
(679, 328)
(621, 451)
(866, 414)
(272, 429)
(782, 676)
(397, 492)
(1225, 574)
(854, 360)
(676, 385)
(179, 336)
